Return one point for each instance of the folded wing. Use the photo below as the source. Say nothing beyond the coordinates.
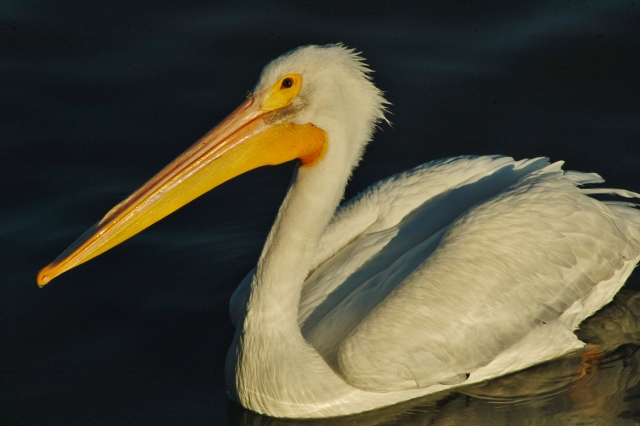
(460, 260)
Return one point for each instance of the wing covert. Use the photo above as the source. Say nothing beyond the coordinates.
(412, 211)
(506, 267)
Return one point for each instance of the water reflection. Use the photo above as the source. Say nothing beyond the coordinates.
(579, 389)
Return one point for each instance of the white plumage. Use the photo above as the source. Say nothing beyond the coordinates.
(455, 272)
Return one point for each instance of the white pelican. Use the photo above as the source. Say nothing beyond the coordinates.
(454, 272)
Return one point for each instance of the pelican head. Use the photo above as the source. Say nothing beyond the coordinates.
(316, 104)
(336, 94)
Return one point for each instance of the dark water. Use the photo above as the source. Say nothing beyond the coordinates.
(95, 97)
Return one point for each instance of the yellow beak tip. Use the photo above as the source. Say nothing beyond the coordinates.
(44, 277)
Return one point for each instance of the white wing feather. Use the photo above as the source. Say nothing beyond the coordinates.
(486, 253)
(410, 213)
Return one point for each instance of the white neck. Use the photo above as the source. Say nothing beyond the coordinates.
(311, 201)
(288, 251)
(257, 373)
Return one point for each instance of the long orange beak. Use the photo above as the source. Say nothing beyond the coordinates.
(245, 140)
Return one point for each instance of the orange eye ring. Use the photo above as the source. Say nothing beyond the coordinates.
(282, 93)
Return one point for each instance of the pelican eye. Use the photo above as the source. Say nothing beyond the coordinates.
(282, 93)
(286, 83)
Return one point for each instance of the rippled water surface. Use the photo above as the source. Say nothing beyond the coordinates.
(95, 97)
